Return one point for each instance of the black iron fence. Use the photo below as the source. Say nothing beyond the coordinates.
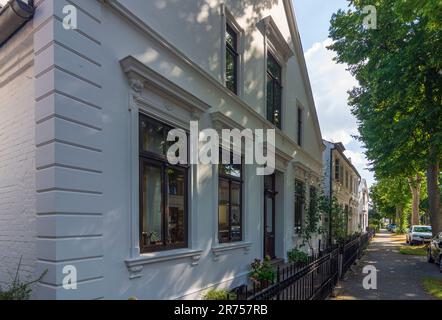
(313, 280)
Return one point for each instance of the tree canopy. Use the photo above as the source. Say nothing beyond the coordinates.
(398, 103)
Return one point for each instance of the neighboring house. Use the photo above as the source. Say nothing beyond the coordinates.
(84, 113)
(364, 200)
(341, 180)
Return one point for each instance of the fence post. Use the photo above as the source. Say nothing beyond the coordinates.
(340, 260)
(277, 281)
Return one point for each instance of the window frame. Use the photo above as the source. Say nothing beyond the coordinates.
(337, 169)
(300, 135)
(231, 180)
(155, 159)
(276, 82)
(234, 52)
(228, 20)
(298, 226)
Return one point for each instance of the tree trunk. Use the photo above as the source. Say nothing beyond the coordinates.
(415, 187)
(434, 196)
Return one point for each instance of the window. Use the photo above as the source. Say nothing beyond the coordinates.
(313, 201)
(337, 169)
(299, 205)
(163, 191)
(274, 91)
(230, 202)
(352, 185)
(231, 59)
(346, 178)
(300, 128)
(341, 170)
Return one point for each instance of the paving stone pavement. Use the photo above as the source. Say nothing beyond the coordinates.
(399, 276)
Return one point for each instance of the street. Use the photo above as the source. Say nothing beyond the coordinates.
(399, 276)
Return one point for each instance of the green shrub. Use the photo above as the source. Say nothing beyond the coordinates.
(262, 271)
(19, 290)
(219, 295)
(297, 256)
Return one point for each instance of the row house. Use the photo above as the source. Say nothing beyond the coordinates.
(341, 181)
(364, 205)
(89, 91)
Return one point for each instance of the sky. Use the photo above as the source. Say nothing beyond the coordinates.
(330, 81)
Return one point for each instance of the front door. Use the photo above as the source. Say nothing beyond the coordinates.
(269, 216)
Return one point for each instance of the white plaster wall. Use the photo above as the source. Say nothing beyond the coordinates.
(82, 134)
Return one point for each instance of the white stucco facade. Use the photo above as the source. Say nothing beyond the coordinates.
(164, 59)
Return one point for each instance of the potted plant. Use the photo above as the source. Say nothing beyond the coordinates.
(262, 273)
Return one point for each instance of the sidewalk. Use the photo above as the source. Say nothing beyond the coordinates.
(399, 276)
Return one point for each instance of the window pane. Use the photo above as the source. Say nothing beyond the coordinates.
(176, 221)
(231, 38)
(236, 194)
(152, 136)
(269, 182)
(152, 200)
(269, 215)
(270, 99)
(231, 169)
(231, 71)
(273, 67)
(223, 211)
(299, 205)
(236, 223)
(277, 106)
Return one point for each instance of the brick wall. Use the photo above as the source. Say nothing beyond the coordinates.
(17, 167)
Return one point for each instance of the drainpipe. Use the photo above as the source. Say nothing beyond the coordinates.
(331, 197)
(13, 16)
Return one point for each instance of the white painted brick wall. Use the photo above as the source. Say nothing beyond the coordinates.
(17, 176)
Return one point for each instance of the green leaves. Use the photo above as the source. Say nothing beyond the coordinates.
(398, 102)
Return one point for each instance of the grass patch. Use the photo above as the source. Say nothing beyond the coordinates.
(433, 286)
(414, 250)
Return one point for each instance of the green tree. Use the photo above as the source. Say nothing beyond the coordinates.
(398, 102)
(391, 196)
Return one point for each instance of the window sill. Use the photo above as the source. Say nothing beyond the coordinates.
(135, 265)
(225, 247)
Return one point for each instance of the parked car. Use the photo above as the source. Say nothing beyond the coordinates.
(391, 227)
(434, 253)
(419, 234)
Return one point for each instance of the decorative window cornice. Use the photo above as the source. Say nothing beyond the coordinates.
(141, 76)
(275, 39)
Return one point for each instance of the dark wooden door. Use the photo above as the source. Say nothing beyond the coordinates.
(269, 216)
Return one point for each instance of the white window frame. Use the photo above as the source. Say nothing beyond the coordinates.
(275, 43)
(159, 98)
(227, 18)
(220, 122)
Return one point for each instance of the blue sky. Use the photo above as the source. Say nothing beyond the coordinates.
(330, 81)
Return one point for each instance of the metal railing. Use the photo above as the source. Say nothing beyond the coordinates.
(313, 280)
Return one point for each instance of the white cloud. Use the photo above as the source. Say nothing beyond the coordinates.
(330, 84)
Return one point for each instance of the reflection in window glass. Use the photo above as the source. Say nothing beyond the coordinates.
(163, 195)
(152, 136)
(274, 91)
(229, 207)
(231, 60)
(223, 211)
(152, 204)
(176, 204)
